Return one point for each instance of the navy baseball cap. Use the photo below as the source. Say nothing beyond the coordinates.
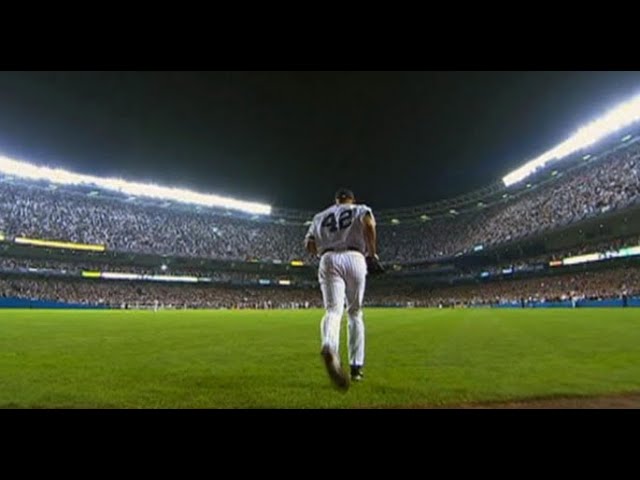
(344, 193)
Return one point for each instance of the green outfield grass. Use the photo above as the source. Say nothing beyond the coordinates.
(257, 359)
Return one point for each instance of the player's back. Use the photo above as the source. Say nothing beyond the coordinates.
(340, 227)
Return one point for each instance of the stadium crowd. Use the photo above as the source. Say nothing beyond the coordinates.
(75, 267)
(117, 294)
(24, 265)
(591, 285)
(599, 284)
(57, 214)
(31, 211)
(610, 184)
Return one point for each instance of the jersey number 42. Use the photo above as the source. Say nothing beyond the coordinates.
(344, 221)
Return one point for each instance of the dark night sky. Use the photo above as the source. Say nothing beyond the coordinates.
(291, 138)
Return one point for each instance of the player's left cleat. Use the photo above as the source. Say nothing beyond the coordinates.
(356, 373)
(332, 363)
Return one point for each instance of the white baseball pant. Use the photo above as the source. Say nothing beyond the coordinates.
(342, 275)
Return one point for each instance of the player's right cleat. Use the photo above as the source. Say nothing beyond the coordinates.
(356, 373)
(336, 374)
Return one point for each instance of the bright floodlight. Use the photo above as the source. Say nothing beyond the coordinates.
(16, 168)
(620, 117)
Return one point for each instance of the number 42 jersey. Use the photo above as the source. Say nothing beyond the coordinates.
(340, 227)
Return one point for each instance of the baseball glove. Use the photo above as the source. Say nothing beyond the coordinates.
(374, 267)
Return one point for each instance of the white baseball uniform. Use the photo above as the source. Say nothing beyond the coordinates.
(338, 232)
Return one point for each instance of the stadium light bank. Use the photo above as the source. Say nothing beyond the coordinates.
(20, 169)
(619, 117)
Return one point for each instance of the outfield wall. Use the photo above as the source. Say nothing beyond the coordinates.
(608, 303)
(12, 302)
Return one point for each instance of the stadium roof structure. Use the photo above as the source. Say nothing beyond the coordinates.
(613, 121)
(12, 167)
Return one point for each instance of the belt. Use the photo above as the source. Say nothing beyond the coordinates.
(353, 249)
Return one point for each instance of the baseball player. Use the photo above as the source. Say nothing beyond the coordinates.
(344, 237)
